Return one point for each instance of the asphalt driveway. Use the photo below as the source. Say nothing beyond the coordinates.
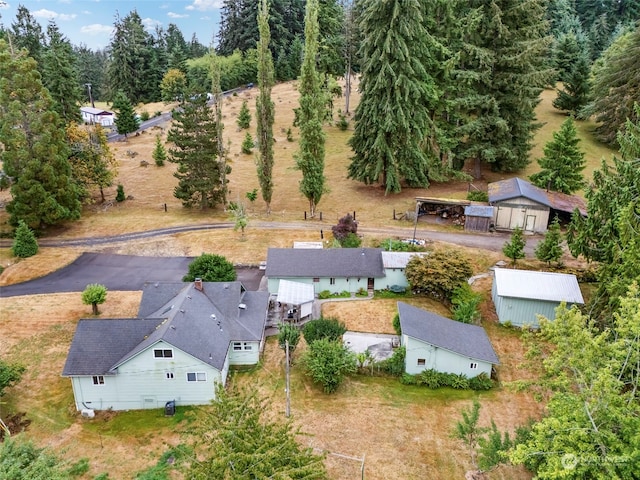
(117, 272)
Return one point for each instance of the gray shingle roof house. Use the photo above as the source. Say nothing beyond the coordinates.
(435, 342)
(186, 337)
(521, 295)
(334, 269)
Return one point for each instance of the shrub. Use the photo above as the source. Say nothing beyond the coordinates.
(120, 194)
(289, 135)
(439, 273)
(24, 243)
(465, 304)
(342, 123)
(395, 365)
(247, 144)
(210, 268)
(430, 379)
(408, 379)
(360, 293)
(395, 245)
(144, 116)
(345, 226)
(323, 328)
(481, 382)
(396, 324)
(79, 468)
(459, 382)
(157, 114)
(351, 241)
(328, 362)
(478, 196)
(94, 294)
(324, 294)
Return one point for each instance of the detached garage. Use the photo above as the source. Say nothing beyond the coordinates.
(519, 204)
(521, 295)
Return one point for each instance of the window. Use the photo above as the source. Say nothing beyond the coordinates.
(169, 375)
(421, 361)
(316, 279)
(163, 353)
(196, 377)
(332, 281)
(473, 365)
(237, 346)
(98, 380)
(247, 346)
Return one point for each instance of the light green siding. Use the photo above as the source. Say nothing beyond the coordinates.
(142, 383)
(393, 276)
(440, 359)
(522, 311)
(244, 353)
(335, 285)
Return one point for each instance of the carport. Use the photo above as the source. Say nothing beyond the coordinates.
(296, 299)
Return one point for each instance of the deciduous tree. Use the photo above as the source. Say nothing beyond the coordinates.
(265, 109)
(94, 294)
(288, 333)
(328, 362)
(438, 273)
(210, 267)
(173, 85)
(310, 116)
(323, 328)
(563, 162)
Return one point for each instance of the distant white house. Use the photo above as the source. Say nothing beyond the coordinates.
(521, 295)
(97, 116)
(185, 339)
(437, 343)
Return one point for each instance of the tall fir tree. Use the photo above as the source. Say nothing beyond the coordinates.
(310, 157)
(392, 120)
(505, 54)
(199, 172)
(35, 151)
(265, 108)
(563, 161)
(550, 248)
(60, 75)
(216, 89)
(126, 120)
(26, 32)
(575, 94)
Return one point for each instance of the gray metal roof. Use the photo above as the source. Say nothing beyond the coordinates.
(330, 262)
(478, 211)
(514, 188)
(548, 286)
(399, 259)
(201, 323)
(461, 338)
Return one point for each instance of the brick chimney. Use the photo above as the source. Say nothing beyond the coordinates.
(198, 284)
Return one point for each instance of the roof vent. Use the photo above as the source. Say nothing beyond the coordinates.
(242, 306)
(213, 315)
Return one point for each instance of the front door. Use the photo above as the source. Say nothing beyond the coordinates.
(369, 283)
(530, 224)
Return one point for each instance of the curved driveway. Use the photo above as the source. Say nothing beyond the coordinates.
(130, 272)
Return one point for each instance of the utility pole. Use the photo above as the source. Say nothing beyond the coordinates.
(88, 85)
(287, 383)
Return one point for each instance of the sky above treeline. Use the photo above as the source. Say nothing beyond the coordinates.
(90, 22)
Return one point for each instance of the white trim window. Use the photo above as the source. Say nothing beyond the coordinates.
(473, 366)
(98, 379)
(169, 375)
(162, 353)
(239, 346)
(196, 376)
(422, 362)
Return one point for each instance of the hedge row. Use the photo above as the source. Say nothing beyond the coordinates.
(434, 379)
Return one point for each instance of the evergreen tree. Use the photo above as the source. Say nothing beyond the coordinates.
(92, 161)
(128, 69)
(310, 157)
(126, 120)
(24, 242)
(392, 120)
(549, 249)
(616, 86)
(563, 162)
(575, 94)
(159, 154)
(244, 116)
(195, 136)
(222, 159)
(247, 144)
(27, 33)
(60, 76)
(91, 67)
(514, 248)
(265, 109)
(504, 55)
(34, 151)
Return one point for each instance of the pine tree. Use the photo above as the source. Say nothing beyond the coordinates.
(247, 144)
(159, 153)
(34, 151)
(27, 33)
(549, 249)
(60, 76)
(514, 248)
(310, 157)
(575, 94)
(392, 120)
(195, 136)
(24, 242)
(563, 162)
(126, 120)
(265, 109)
(244, 116)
